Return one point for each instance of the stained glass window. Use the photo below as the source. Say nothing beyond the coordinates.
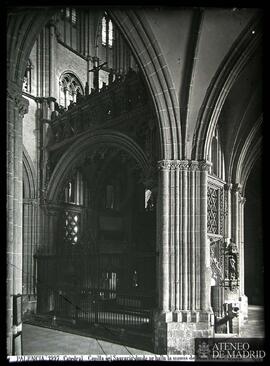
(70, 14)
(104, 31)
(110, 33)
(107, 32)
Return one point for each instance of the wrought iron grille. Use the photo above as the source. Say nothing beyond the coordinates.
(217, 260)
(72, 224)
(212, 211)
(221, 211)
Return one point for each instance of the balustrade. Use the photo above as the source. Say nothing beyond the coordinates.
(120, 97)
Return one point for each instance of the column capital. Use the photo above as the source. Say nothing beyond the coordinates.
(193, 165)
(164, 164)
(205, 165)
(237, 187)
(182, 165)
(242, 200)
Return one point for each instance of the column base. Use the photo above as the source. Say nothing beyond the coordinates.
(175, 331)
(243, 309)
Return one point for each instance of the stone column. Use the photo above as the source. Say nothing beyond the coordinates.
(227, 213)
(17, 106)
(236, 196)
(184, 257)
(52, 54)
(164, 221)
(243, 297)
(205, 275)
(45, 107)
(29, 249)
(232, 295)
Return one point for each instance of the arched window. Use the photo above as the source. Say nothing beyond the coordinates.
(75, 190)
(217, 156)
(109, 41)
(112, 195)
(70, 14)
(104, 31)
(70, 86)
(75, 194)
(27, 78)
(110, 33)
(107, 31)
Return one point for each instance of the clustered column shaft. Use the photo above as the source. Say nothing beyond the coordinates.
(242, 201)
(184, 253)
(16, 108)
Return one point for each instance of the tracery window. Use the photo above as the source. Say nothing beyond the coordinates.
(70, 14)
(107, 31)
(70, 87)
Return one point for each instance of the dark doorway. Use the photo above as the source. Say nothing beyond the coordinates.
(254, 269)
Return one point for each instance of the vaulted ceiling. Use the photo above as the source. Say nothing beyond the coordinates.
(203, 69)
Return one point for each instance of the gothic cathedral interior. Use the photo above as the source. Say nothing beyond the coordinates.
(134, 139)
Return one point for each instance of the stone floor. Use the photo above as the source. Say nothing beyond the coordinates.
(254, 327)
(43, 341)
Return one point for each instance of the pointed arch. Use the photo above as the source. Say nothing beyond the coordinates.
(27, 23)
(145, 47)
(245, 158)
(84, 144)
(29, 176)
(237, 58)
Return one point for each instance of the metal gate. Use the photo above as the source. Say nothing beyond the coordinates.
(105, 290)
